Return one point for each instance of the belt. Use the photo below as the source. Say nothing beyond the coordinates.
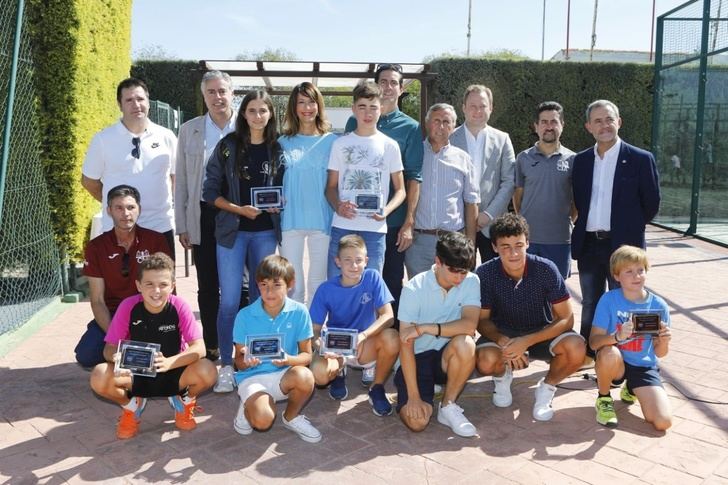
(436, 232)
(600, 234)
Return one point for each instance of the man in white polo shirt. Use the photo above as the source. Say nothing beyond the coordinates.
(137, 152)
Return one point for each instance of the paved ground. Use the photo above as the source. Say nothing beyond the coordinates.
(53, 429)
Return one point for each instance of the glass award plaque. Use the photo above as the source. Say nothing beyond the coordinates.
(267, 197)
(646, 322)
(137, 357)
(368, 203)
(341, 341)
(265, 347)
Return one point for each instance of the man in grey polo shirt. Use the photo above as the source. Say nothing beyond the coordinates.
(449, 193)
(543, 194)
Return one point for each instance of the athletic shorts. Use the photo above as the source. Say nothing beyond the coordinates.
(164, 384)
(637, 376)
(429, 373)
(542, 350)
(269, 383)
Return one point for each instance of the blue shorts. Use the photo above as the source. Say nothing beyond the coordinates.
(429, 373)
(639, 377)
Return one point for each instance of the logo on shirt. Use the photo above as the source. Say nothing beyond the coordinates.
(155, 144)
(136, 322)
(167, 328)
(366, 298)
(112, 256)
(141, 255)
(562, 165)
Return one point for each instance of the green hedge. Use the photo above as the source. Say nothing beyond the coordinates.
(519, 86)
(174, 82)
(81, 50)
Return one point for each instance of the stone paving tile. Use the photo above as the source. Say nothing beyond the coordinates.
(68, 435)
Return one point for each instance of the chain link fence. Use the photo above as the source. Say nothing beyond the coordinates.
(29, 261)
(164, 115)
(690, 137)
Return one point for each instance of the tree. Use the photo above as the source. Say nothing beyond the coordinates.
(154, 52)
(269, 54)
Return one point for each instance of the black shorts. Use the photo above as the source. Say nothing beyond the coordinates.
(541, 351)
(163, 385)
(637, 376)
(429, 373)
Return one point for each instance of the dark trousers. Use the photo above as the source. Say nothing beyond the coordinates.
(204, 256)
(594, 277)
(393, 271)
(169, 236)
(485, 248)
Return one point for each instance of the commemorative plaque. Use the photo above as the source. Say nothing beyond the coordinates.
(137, 357)
(340, 341)
(265, 347)
(267, 197)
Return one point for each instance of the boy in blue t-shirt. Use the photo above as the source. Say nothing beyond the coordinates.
(622, 354)
(263, 382)
(357, 299)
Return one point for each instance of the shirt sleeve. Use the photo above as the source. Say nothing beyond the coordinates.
(413, 155)
(393, 157)
(486, 298)
(335, 156)
(189, 328)
(604, 316)
(94, 163)
(471, 190)
(519, 170)
(319, 309)
(172, 144)
(91, 266)
(305, 328)
(119, 326)
(381, 293)
(557, 287)
(471, 291)
(409, 309)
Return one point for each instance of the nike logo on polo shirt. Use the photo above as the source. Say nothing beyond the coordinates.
(113, 255)
(155, 145)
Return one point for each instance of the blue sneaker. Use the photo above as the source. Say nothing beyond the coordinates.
(378, 400)
(337, 388)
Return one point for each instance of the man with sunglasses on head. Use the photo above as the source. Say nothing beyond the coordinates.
(406, 132)
(438, 315)
(449, 191)
(110, 265)
(525, 313)
(137, 152)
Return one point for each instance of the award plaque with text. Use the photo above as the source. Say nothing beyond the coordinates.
(340, 341)
(265, 347)
(646, 322)
(267, 197)
(137, 357)
(368, 203)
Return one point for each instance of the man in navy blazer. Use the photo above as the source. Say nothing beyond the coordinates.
(616, 192)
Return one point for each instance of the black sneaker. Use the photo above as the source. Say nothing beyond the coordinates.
(378, 400)
(337, 388)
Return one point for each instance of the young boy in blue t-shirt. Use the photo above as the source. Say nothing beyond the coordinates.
(357, 299)
(261, 383)
(622, 354)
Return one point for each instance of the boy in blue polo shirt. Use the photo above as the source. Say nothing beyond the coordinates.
(357, 299)
(262, 383)
(525, 313)
(622, 354)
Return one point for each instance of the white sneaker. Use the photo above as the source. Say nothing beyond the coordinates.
(367, 376)
(502, 396)
(453, 417)
(240, 423)
(303, 428)
(225, 380)
(542, 409)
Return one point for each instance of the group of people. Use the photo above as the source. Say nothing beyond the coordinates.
(365, 206)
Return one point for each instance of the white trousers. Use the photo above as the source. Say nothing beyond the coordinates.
(292, 248)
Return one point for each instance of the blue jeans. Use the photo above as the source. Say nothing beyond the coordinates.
(559, 254)
(594, 276)
(230, 262)
(375, 242)
(90, 349)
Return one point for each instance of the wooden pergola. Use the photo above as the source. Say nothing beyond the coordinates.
(332, 78)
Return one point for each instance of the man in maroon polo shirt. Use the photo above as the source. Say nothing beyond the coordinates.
(110, 265)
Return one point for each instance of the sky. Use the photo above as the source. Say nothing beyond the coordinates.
(385, 31)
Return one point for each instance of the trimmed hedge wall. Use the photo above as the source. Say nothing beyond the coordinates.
(82, 51)
(519, 86)
(174, 82)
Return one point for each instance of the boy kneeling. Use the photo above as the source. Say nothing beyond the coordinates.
(358, 299)
(155, 316)
(262, 382)
(624, 353)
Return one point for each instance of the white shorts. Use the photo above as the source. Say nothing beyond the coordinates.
(352, 362)
(269, 383)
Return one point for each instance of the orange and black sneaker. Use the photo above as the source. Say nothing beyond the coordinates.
(128, 425)
(184, 413)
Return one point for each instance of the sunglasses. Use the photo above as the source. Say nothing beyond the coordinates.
(389, 67)
(135, 151)
(125, 265)
(460, 271)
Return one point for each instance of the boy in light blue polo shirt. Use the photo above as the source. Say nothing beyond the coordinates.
(261, 383)
(438, 314)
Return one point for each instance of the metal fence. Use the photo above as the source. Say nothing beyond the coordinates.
(163, 114)
(690, 124)
(29, 261)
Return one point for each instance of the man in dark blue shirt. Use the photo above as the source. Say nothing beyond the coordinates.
(525, 310)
